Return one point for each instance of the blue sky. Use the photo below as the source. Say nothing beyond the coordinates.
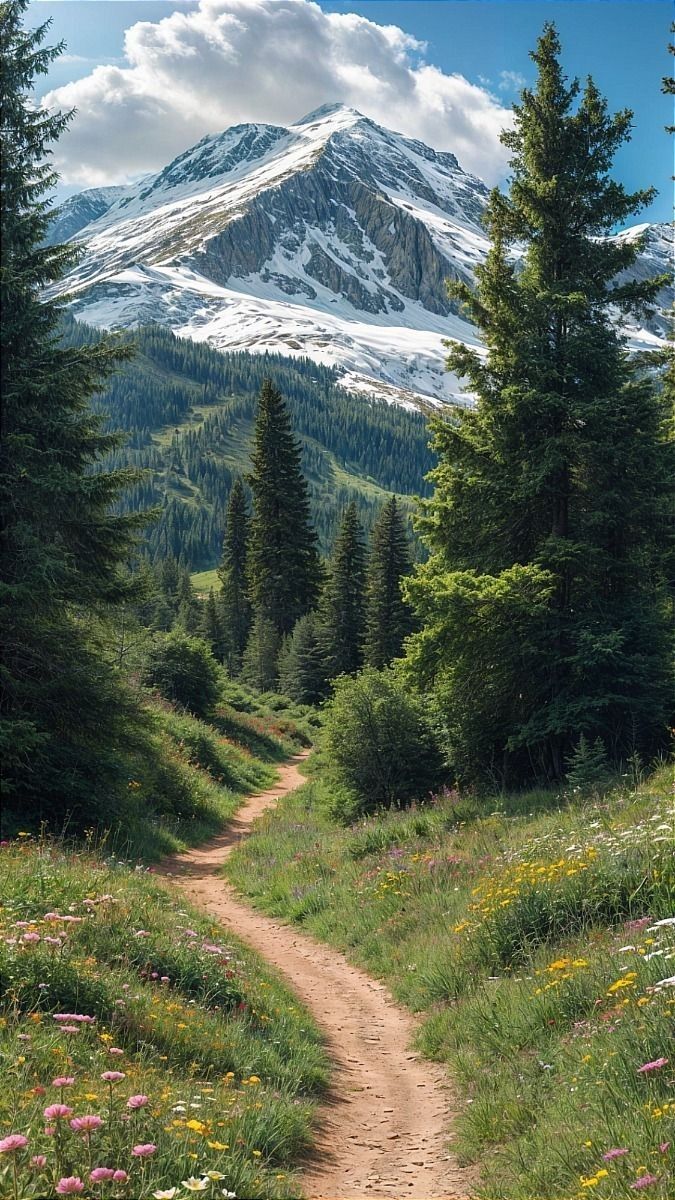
(128, 108)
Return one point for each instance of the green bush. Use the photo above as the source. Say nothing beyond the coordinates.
(184, 670)
(380, 742)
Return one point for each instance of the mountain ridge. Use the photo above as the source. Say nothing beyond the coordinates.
(331, 238)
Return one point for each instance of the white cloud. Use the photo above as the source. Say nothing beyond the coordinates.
(229, 61)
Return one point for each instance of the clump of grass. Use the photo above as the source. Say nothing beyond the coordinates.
(102, 970)
(539, 941)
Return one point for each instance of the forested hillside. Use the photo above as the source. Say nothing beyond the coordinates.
(188, 412)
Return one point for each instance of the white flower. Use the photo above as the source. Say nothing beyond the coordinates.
(195, 1185)
(229, 1195)
(166, 1195)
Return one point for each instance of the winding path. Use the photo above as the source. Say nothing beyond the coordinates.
(384, 1126)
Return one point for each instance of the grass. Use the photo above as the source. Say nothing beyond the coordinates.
(203, 581)
(535, 934)
(224, 1064)
(185, 777)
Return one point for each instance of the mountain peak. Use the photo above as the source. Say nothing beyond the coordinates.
(337, 108)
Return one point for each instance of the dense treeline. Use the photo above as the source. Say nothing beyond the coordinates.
(188, 411)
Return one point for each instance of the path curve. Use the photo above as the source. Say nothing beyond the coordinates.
(383, 1130)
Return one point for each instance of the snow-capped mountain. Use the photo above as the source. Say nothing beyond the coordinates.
(331, 238)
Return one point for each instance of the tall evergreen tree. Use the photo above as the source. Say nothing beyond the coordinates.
(302, 664)
(62, 546)
(343, 601)
(259, 663)
(284, 570)
(235, 604)
(544, 602)
(388, 615)
(211, 629)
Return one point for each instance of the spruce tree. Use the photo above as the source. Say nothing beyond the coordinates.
(63, 715)
(211, 629)
(260, 658)
(284, 570)
(543, 603)
(343, 601)
(234, 601)
(302, 665)
(388, 616)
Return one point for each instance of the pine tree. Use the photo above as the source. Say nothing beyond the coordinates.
(211, 629)
(302, 665)
(343, 601)
(235, 604)
(544, 600)
(63, 714)
(284, 570)
(188, 616)
(259, 662)
(388, 616)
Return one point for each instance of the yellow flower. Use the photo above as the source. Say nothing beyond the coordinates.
(217, 1146)
(198, 1126)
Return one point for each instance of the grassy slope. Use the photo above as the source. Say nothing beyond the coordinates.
(229, 1063)
(529, 940)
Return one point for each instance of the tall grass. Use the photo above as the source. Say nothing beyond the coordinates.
(223, 1063)
(538, 940)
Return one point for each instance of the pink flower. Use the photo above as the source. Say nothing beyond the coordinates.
(113, 1076)
(120, 1176)
(86, 1124)
(15, 1141)
(31, 937)
(115, 1050)
(101, 1174)
(617, 1152)
(652, 1066)
(69, 1185)
(69, 1029)
(644, 1181)
(50, 1130)
(664, 1147)
(79, 1017)
(144, 1150)
(55, 1112)
(38, 1160)
(137, 1101)
(63, 1081)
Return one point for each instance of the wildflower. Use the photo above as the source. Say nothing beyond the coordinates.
(228, 1195)
(101, 1174)
(113, 1076)
(38, 1161)
(31, 937)
(664, 1147)
(86, 1124)
(120, 1177)
(217, 1146)
(69, 1029)
(195, 1126)
(652, 1066)
(195, 1185)
(144, 1150)
(214, 1176)
(63, 1081)
(81, 1018)
(115, 1050)
(644, 1181)
(15, 1141)
(617, 1152)
(137, 1101)
(57, 1112)
(168, 1194)
(69, 1185)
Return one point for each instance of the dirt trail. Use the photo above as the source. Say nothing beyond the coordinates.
(384, 1126)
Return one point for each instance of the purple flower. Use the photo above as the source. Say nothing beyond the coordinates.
(644, 1181)
(113, 1076)
(652, 1066)
(137, 1101)
(617, 1152)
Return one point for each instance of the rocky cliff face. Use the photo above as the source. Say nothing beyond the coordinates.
(332, 238)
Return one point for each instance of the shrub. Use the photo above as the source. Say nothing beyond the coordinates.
(380, 741)
(184, 670)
